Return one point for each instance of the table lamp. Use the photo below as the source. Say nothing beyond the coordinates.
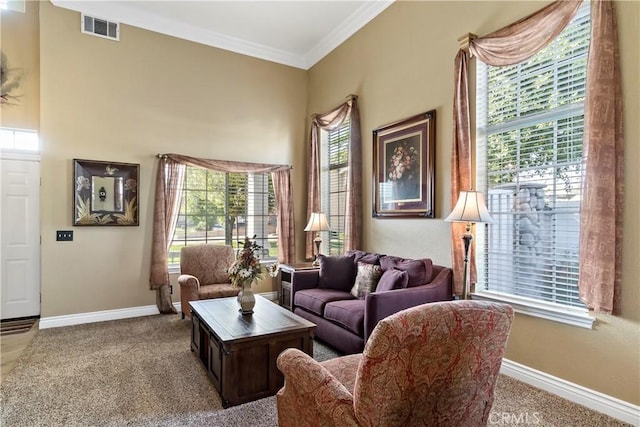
(317, 222)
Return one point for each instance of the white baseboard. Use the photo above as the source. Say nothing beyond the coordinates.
(592, 399)
(99, 316)
(120, 313)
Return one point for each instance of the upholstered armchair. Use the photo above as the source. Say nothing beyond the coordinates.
(203, 274)
(435, 365)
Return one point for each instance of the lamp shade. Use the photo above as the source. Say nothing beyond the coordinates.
(317, 222)
(470, 208)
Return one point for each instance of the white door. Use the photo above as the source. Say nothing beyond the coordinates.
(20, 238)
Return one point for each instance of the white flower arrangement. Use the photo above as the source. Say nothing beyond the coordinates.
(247, 267)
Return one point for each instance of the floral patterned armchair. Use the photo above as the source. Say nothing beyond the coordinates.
(204, 275)
(435, 364)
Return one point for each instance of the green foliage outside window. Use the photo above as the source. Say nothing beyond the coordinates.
(521, 95)
(214, 209)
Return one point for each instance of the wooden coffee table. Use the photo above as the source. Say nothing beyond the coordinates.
(239, 352)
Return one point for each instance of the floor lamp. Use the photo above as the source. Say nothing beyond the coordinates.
(470, 209)
(317, 223)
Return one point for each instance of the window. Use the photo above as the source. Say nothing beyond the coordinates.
(530, 120)
(16, 5)
(222, 208)
(19, 140)
(333, 185)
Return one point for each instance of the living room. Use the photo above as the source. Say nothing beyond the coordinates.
(150, 93)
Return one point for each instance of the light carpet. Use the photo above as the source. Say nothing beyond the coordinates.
(141, 372)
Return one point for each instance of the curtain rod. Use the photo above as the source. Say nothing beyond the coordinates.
(465, 40)
(349, 97)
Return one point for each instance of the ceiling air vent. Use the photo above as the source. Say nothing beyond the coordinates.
(100, 27)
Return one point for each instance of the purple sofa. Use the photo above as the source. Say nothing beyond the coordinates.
(349, 295)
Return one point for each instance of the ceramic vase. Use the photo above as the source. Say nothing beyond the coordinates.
(246, 299)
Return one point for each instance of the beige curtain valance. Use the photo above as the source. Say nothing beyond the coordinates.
(225, 165)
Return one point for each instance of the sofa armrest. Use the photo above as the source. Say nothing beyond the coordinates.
(189, 281)
(189, 288)
(303, 279)
(379, 305)
(311, 394)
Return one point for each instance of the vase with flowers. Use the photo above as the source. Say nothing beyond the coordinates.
(245, 270)
(403, 170)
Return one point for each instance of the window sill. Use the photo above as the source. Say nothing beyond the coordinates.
(568, 315)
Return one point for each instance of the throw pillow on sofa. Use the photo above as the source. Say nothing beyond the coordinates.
(419, 270)
(336, 272)
(368, 257)
(392, 279)
(367, 279)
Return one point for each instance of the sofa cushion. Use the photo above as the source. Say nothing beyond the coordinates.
(336, 272)
(348, 314)
(314, 300)
(419, 270)
(366, 279)
(369, 258)
(392, 279)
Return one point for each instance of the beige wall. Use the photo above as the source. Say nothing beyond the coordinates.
(127, 101)
(19, 40)
(401, 64)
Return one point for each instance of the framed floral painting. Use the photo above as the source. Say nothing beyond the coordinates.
(105, 193)
(404, 167)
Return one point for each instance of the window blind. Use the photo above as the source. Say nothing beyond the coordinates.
(222, 208)
(334, 161)
(530, 121)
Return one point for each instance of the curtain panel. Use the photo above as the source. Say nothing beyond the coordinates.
(601, 212)
(460, 168)
(169, 183)
(284, 206)
(602, 192)
(328, 122)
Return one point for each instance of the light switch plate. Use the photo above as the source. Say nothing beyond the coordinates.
(64, 236)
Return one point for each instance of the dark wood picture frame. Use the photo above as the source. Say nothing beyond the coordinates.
(105, 193)
(404, 168)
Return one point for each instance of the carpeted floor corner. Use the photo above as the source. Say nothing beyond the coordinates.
(141, 372)
(107, 373)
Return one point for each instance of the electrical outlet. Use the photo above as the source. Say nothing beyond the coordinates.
(171, 289)
(64, 236)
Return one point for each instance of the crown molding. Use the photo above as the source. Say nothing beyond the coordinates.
(347, 28)
(114, 11)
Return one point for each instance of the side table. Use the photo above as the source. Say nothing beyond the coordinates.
(284, 285)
